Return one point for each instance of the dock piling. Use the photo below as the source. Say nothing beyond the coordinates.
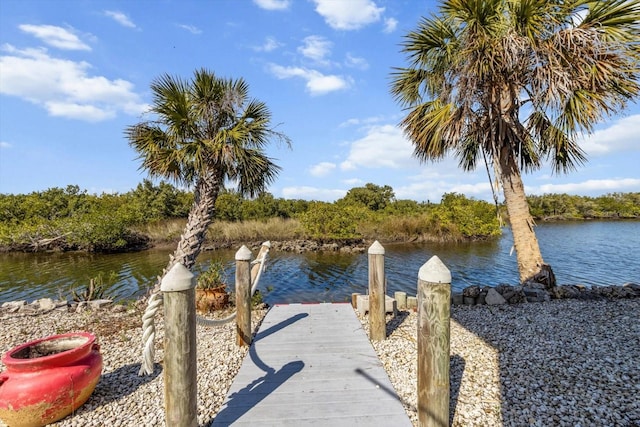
(243, 296)
(180, 358)
(377, 320)
(434, 313)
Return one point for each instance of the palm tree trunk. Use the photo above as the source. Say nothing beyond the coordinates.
(528, 253)
(200, 216)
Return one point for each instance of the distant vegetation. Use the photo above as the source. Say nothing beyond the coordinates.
(564, 206)
(72, 219)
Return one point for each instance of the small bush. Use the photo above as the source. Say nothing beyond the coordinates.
(212, 275)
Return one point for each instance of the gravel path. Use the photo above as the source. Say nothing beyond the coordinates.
(560, 363)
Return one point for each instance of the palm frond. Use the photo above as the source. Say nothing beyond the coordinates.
(206, 128)
(255, 172)
(555, 144)
(468, 152)
(530, 18)
(427, 126)
(615, 20)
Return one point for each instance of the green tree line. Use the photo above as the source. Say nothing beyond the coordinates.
(75, 219)
(565, 206)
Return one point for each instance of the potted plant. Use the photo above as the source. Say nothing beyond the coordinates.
(211, 293)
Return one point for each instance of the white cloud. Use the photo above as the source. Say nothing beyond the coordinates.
(120, 18)
(348, 15)
(433, 190)
(444, 176)
(390, 25)
(384, 146)
(590, 186)
(322, 169)
(55, 36)
(543, 177)
(77, 111)
(5, 144)
(356, 62)
(191, 28)
(63, 87)
(358, 122)
(353, 181)
(316, 48)
(478, 190)
(273, 4)
(620, 136)
(349, 122)
(317, 83)
(269, 45)
(313, 193)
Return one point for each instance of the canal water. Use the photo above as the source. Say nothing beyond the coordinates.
(591, 253)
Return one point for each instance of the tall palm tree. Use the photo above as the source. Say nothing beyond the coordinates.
(517, 81)
(206, 132)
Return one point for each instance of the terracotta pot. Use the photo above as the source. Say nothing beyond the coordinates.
(208, 300)
(48, 379)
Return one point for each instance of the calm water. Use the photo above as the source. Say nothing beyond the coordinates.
(591, 253)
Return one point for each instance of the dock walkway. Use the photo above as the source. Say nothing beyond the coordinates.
(311, 364)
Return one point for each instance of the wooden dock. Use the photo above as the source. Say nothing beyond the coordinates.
(312, 364)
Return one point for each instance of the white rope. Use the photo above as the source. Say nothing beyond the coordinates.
(263, 266)
(149, 333)
(203, 321)
(153, 305)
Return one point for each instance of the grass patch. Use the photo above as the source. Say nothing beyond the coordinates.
(167, 230)
(254, 230)
(388, 228)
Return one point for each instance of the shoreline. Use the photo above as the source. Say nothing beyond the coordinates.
(145, 242)
(561, 362)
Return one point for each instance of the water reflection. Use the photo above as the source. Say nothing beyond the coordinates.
(591, 253)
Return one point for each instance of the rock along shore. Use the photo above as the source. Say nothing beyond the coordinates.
(560, 362)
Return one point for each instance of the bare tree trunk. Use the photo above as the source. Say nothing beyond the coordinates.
(528, 253)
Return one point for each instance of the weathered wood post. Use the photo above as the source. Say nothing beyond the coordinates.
(354, 299)
(377, 321)
(243, 296)
(180, 350)
(401, 298)
(434, 295)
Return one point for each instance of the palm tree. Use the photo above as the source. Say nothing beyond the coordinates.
(517, 81)
(206, 133)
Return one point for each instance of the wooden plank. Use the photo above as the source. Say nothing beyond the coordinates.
(311, 364)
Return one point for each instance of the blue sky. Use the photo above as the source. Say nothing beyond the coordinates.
(75, 74)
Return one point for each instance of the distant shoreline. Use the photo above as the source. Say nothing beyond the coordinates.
(354, 245)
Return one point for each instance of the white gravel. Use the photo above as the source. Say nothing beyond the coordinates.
(560, 363)
(122, 398)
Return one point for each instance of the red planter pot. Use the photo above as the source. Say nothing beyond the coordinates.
(48, 379)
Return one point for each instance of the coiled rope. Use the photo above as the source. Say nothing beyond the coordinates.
(155, 301)
(149, 333)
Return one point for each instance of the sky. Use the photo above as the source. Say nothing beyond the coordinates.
(75, 73)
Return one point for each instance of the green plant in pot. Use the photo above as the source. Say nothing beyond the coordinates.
(211, 293)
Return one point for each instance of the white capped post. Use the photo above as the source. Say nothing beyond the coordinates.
(180, 358)
(377, 320)
(434, 312)
(243, 296)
